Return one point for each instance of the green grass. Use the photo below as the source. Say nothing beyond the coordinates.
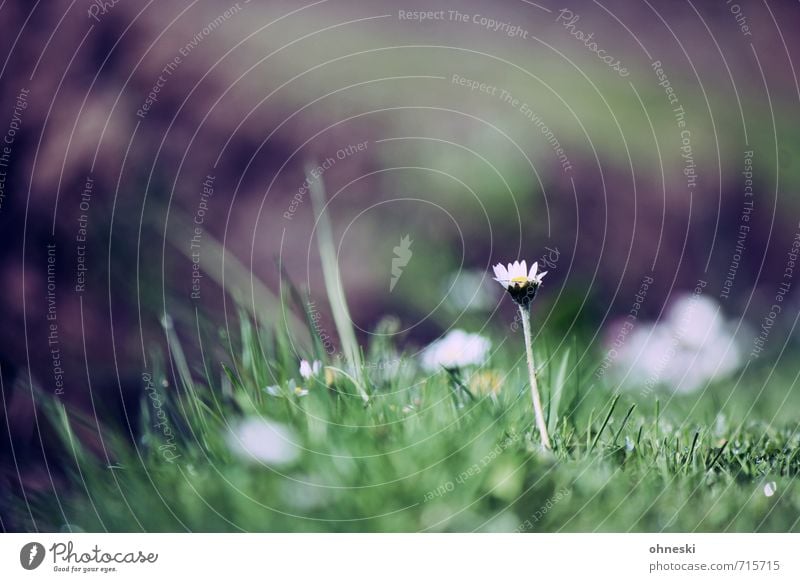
(396, 449)
(691, 463)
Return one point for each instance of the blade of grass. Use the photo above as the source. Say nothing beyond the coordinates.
(558, 390)
(178, 358)
(717, 457)
(589, 430)
(691, 451)
(655, 422)
(605, 422)
(333, 284)
(624, 422)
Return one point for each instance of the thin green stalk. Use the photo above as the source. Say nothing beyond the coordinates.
(605, 422)
(333, 285)
(537, 401)
(622, 426)
(690, 456)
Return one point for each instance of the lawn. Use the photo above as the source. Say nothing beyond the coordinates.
(253, 445)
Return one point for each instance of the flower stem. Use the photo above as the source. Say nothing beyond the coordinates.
(525, 314)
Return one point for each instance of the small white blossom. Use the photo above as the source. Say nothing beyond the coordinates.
(770, 488)
(629, 445)
(273, 390)
(307, 370)
(456, 350)
(296, 389)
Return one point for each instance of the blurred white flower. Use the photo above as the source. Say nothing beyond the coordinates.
(770, 488)
(456, 350)
(308, 370)
(691, 346)
(256, 439)
(629, 444)
(295, 388)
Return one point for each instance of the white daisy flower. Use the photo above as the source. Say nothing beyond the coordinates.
(522, 284)
(308, 370)
(519, 281)
(457, 349)
(256, 439)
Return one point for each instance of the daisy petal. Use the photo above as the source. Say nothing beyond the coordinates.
(534, 270)
(500, 271)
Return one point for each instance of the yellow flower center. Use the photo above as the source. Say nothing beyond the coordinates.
(519, 280)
